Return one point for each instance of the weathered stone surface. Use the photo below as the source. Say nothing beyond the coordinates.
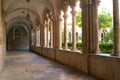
(29, 66)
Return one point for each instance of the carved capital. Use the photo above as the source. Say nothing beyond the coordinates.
(65, 6)
(72, 3)
(83, 4)
(54, 18)
(74, 13)
(97, 2)
(46, 23)
(89, 1)
(65, 16)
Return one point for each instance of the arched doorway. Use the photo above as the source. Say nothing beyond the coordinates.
(18, 38)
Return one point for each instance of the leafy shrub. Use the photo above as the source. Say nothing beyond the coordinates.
(69, 44)
(104, 47)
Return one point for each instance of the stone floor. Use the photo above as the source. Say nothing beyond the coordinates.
(25, 65)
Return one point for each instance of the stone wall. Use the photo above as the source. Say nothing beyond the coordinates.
(36, 49)
(2, 39)
(1, 58)
(105, 66)
(72, 59)
(18, 40)
(102, 66)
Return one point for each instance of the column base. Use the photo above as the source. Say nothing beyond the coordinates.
(66, 48)
(60, 48)
(98, 52)
(115, 53)
(75, 49)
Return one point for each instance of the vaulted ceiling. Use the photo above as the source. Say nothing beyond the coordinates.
(18, 10)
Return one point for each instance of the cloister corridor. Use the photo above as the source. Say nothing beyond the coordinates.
(25, 65)
(59, 40)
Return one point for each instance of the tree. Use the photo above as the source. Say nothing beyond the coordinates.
(79, 19)
(105, 19)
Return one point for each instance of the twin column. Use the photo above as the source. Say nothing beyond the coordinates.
(90, 28)
(73, 28)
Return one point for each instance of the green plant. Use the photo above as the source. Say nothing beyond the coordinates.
(109, 37)
(79, 19)
(105, 19)
(106, 47)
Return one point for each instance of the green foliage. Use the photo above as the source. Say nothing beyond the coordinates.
(108, 37)
(79, 19)
(63, 36)
(106, 47)
(79, 45)
(69, 44)
(105, 19)
(111, 35)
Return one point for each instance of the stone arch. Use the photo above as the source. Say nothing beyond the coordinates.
(18, 37)
(26, 27)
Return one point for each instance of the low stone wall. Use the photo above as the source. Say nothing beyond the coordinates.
(49, 53)
(106, 67)
(73, 59)
(36, 50)
(1, 57)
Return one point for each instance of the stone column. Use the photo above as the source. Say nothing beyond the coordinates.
(51, 34)
(85, 30)
(116, 49)
(47, 35)
(84, 8)
(55, 34)
(42, 41)
(95, 28)
(35, 38)
(73, 27)
(32, 38)
(90, 27)
(57, 30)
(65, 30)
(60, 32)
(38, 37)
